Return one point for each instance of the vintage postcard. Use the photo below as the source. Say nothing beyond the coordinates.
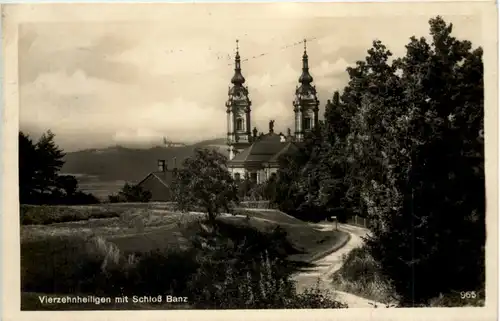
(250, 160)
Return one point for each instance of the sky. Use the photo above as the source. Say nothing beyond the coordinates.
(103, 83)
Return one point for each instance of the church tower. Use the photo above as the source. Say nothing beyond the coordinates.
(238, 105)
(306, 101)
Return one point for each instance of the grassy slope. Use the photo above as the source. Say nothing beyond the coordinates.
(146, 227)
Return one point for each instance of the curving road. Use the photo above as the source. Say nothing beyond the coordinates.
(324, 268)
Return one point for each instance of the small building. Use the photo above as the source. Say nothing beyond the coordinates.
(159, 183)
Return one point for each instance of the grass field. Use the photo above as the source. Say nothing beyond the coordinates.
(147, 226)
(134, 230)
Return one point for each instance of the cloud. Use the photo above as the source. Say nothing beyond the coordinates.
(161, 60)
(70, 48)
(94, 83)
(178, 119)
(271, 80)
(60, 83)
(273, 110)
(326, 68)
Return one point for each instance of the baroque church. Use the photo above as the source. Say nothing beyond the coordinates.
(253, 155)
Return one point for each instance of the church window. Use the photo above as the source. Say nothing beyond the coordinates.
(239, 124)
(307, 123)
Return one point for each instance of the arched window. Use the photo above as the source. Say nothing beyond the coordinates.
(307, 123)
(239, 124)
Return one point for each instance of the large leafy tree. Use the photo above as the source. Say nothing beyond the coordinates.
(417, 151)
(205, 182)
(402, 144)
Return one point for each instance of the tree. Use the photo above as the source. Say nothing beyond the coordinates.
(49, 158)
(39, 164)
(27, 168)
(419, 163)
(205, 182)
(402, 145)
(131, 193)
(39, 178)
(68, 184)
(245, 186)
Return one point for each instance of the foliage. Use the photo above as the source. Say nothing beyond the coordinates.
(243, 268)
(39, 178)
(402, 146)
(131, 193)
(425, 191)
(360, 274)
(43, 214)
(236, 267)
(256, 285)
(204, 181)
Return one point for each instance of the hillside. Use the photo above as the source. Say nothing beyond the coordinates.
(129, 164)
(103, 171)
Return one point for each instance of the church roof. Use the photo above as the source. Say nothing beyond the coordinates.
(289, 149)
(265, 150)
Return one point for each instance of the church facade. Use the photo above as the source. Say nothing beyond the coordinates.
(255, 156)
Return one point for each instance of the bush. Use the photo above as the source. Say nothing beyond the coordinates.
(259, 284)
(242, 268)
(46, 214)
(130, 193)
(360, 274)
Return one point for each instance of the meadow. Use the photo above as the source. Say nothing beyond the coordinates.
(149, 248)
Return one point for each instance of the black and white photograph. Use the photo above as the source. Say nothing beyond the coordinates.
(250, 156)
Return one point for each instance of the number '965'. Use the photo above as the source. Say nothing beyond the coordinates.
(468, 295)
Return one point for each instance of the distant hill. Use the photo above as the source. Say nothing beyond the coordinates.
(217, 142)
(129, 164)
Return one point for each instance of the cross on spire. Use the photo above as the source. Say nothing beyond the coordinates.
(305, 78)
(238, 78)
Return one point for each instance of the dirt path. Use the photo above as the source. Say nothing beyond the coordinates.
(324, 269)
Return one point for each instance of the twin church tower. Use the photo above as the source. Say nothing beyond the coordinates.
(239, 130)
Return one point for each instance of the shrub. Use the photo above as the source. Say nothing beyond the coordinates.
(360, 274)
(260, 284)
(130, 193)
(241, 267)
(46, 214)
